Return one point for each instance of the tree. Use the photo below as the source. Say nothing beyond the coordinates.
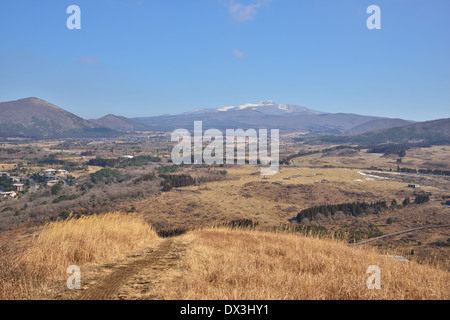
(57, 188)
(393, 204)
(406, 202)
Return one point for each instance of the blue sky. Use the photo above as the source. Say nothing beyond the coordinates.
(152, 57)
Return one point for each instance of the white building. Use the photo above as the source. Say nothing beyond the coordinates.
(51, 183)
(19, 186)
(7, 195)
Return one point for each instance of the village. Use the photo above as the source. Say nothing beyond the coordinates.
(12, 186)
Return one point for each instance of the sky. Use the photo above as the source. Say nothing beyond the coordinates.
(139, 58)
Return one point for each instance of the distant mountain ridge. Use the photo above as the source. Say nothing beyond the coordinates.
(268, 115)
(36, 118)
(433, 132)
(378, 124)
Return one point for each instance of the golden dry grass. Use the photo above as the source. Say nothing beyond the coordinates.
(268, 200)
(88, 240)
(223, 264)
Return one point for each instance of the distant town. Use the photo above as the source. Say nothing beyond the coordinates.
(11, 186)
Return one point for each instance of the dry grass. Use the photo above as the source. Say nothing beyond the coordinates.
(26, 271)
(249, 195)
(223, 264)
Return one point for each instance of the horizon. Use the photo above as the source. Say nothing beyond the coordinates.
(143, 59)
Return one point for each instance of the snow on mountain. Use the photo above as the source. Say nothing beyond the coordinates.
(268, 107)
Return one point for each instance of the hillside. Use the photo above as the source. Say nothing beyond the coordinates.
(36, 118)
(432, 132)
(223, 264)
(129, 262)
(119, 123)
(378, 124)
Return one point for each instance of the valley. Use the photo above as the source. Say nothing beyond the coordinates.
(394, 196)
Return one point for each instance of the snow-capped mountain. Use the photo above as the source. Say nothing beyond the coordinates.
(268, 107)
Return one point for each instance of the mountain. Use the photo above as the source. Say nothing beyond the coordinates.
(119, 123)
(378, 124)
(36, 118)
(432, 132)
(268, 107)
(263, 115)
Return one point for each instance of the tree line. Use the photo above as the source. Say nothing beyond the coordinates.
(351, 208)
(437, 172)
(176, 181)
(356, 208)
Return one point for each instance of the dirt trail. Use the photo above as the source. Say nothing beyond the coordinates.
(398, 233)
(133, 279)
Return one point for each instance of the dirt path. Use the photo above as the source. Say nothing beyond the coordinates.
(398, 233)
(132, 280)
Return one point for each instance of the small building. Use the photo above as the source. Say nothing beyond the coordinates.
(413, 186)
(19, 186)
(128, 157)
(51, 183)
(15, 179)
(62, 171)
(4, 174)
(49, 176)
(49, 171)
(7, 195)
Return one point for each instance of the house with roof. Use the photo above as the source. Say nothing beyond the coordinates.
(7, 195)
(15, 179)
(19, 187)
(51, 183)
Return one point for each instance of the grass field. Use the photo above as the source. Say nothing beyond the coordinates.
(247, 265)
(28, 267)
(271, 200)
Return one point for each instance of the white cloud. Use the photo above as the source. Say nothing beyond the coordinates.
(239, 54)
(244, 12)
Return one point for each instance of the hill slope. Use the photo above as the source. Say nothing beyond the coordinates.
(119, 123)
(36, 118)
(225, 264)
(131, 262)
(432, 132)
(378, 124)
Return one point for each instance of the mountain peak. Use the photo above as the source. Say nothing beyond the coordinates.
(269, 107)
(36, 118)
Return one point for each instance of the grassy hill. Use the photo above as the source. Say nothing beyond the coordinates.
(228, 264)
(218, 263)
(36, 118)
